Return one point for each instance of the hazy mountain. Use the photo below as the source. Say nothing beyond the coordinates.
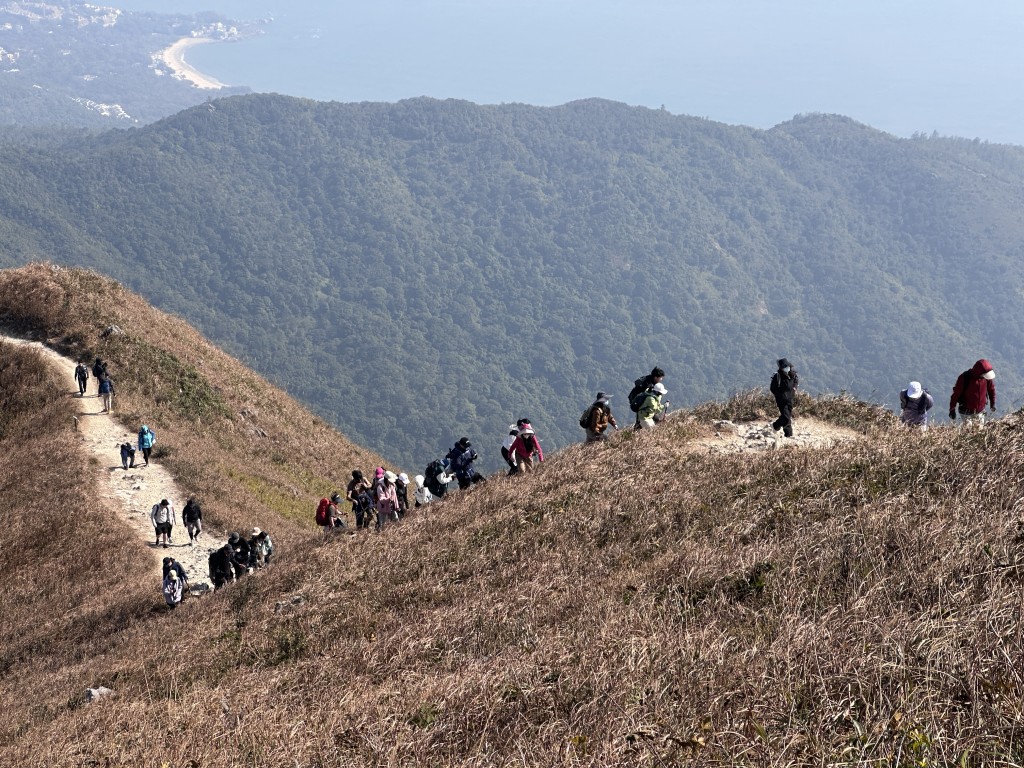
(422, 270)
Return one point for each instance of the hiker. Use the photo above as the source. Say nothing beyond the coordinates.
(402, 493)
(462, 457)
(147, 438)
(107, 393)
(262, 548)
(783, 387)
(643, 385)
(506, 449)
(597, 418)
(325, 514)
(164, 519)
(972, 389)
(127, 456)
(525, 446)
(81, 376)
(652, 409)
(387, 500)
(240, 554)
(98, 369)
(221, 570)
(192, 517)
(436, 477)
(915, 402)
(173, 590)
(170, 564)
(357, 492)
(422, 495)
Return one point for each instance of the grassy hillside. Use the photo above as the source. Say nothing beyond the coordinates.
(422, 270)
(640, 603)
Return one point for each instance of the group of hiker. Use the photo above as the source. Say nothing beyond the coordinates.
(104, 383)
(974, 389)
(146, 441)
(239, 556)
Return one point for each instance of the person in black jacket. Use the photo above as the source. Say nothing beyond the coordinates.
(783, 387)
(239, 554)
(221, 571)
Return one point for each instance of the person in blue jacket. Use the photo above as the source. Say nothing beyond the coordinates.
(147, 437)
(462, 457)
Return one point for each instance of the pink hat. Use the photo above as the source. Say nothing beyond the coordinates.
(379, 472)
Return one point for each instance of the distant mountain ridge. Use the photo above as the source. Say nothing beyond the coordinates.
(426, 269)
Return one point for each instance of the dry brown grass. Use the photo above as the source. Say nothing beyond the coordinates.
(630, 604)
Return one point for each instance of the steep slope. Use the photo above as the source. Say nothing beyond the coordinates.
(637, 603)
(421, 270)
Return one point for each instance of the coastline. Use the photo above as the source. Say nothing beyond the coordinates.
(173, 58)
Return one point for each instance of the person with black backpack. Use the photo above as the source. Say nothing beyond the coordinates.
(436, 477)
(642, 386)
(783, 387)
(597, 418)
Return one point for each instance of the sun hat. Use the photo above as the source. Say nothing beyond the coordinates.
(390, 476)
(527, 430)
(256, 532)
(914, 390)
(379, 472)
(513, 428)
(660, 389)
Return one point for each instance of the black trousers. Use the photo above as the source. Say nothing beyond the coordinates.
(785, 420)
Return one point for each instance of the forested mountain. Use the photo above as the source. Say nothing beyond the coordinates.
(422, 270)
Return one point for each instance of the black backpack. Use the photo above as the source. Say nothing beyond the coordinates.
(638, 393)
(585, 418)
(430, 474)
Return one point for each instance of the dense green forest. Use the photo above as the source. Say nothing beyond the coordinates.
(426, 269)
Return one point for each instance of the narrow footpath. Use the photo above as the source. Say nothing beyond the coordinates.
(133, 492)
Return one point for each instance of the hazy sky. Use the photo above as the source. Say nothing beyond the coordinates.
(905, 66)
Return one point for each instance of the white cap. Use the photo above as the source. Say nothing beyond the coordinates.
(914, 390)
(404, 478)
(172, 575)
(660, 389)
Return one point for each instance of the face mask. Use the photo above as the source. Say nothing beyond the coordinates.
(786, 369)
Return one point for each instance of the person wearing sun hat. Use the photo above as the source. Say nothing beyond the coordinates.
(915, 402)
(652, 409)
(525, 447)
(402, 493)
(972, 389)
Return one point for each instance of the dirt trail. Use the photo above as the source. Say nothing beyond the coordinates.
(133, 492)
(740, 437)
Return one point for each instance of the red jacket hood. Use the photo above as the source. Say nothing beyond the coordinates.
(981, 368)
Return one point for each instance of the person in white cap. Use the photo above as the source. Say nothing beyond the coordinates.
(402, 494)
(652, 410)
(915, 402)
(172, 589)
(423, 494)
(261, 548)
(972, 389)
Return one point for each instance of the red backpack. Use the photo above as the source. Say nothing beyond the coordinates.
(322, 513)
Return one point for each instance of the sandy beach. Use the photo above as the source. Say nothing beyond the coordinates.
(174, 58)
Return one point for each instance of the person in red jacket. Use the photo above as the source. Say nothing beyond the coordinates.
(525, 447)
(971, 391)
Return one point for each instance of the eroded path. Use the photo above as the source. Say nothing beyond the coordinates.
(131, 493)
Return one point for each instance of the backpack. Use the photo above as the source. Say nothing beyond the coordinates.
(430, 474)
(322, 513)
(638, 393)
(585, 418)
